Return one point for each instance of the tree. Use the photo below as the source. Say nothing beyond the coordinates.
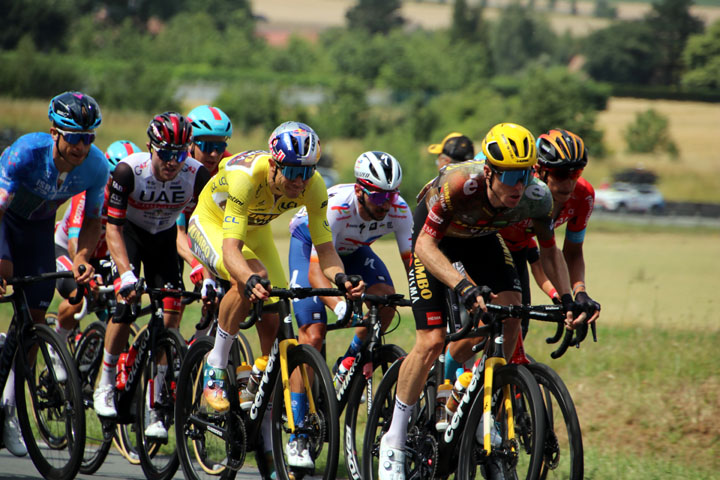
(628, 54)
(649, 133)
(702, 60)
(519, 39)
(671, 25)
(467, 24)
(604, 10)
(375, 16)
(45, 21)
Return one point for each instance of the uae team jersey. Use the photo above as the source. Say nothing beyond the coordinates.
(239, 198)
(576, 213)
(138, 197)
(33, 186)
(350, 231)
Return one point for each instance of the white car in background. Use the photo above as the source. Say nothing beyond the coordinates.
(628, 197)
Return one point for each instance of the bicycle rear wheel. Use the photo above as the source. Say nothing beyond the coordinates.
(88, 357)
(158, 455)
(125, 436)
(521, 457)
(563, 453)
(52, 421)
(321, 429)
(357, 414)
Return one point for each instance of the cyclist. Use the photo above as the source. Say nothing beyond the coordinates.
(562, 156)
(39, 172)
(230, 234)
(458, 219)
(146, 194)
(455, 147)
(359, 214)
(66, 240)
(211, 130)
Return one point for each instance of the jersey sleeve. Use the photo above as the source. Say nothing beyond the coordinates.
(453, 189)
(316, 203)
(240, 188)
(122, 184)
(77, 213)
(585, 202)
(403, 232)
(11, 171)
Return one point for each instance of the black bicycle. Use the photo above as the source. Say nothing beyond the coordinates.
(48, 396)
(212, 444)
(371, 362)
(505, 396)
(155, 349)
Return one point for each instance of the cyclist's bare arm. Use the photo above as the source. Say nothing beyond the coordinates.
(88, 239)
(575, 259)
(331, 265)
(118, 251)
(318, 280)
(541, 278)
(182, 245)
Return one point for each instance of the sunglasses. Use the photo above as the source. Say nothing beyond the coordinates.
(74, 137)
(564, 173)
(512, 177)
(292, 172)
(166, 155)
(378, 197)
(210, 147)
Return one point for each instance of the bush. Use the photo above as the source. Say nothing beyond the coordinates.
(649, 133)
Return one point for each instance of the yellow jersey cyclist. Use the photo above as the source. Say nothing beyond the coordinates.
(230, 234)
(458, 219)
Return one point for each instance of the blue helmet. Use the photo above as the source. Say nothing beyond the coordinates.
(119, 150)
(294, 143)
(75, 110)
(207, 120)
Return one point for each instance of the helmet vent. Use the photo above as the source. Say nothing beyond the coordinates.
(494, 151)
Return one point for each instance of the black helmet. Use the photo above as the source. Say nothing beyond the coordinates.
(75, 110)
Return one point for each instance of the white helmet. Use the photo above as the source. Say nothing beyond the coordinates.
(378, 170)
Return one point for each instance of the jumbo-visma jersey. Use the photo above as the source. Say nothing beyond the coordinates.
(239, 198)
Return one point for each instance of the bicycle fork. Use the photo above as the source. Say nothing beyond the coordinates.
(491, 364)
(285, 346)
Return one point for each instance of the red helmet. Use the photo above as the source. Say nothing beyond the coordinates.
(170, 130)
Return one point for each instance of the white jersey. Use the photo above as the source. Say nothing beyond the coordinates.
(350, 231)
(147, 202)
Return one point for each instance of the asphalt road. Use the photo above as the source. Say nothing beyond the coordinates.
(115, 468)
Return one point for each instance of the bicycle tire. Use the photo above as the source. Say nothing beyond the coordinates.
(195, 453)
(420, 444)
(49, 400)
(322, 428)
(385, 356)
(160, 463)
(88, 358)
(125, 433)
(529, 419)
(562, 432)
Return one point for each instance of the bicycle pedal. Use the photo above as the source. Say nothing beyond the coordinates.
(232, 464)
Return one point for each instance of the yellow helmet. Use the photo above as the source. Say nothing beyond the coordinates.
(509, 146)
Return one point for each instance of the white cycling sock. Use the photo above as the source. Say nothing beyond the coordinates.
(8, 397)
(397, 433)
(218, 356)
(109, 369)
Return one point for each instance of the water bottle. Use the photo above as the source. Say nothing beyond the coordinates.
(343, 368)
(257, 372)
(443, 394)
(459, 389)
(242, 375)
(121, 377)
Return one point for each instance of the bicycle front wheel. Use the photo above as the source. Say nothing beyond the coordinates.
(563, 453)
(362, 390)
(515, 458)
(88, 357)
(319, 430)
(53, 420)
(156, 407)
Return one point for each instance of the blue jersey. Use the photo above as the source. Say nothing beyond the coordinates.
(29, 175)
